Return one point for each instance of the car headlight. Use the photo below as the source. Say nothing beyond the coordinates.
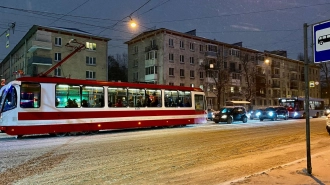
(270, 113)
(327, 111)
(258, 113)
(224, 116)
(213, 115)
(295, 114)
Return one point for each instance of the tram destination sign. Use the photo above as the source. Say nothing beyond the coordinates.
(321, 40)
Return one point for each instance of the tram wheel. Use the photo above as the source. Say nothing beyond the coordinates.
(61, 134)
(73, 133)
(94, 131)
(19, 136)
(85, 132)
(52, 134)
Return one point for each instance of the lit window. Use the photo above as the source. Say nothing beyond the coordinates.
(90, 46)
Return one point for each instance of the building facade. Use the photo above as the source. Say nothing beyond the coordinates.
(43, 47)
(224, 71)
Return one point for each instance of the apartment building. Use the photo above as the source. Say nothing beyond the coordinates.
(43, 47)
(224, 71)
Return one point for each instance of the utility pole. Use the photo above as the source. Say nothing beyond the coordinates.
(7, 32)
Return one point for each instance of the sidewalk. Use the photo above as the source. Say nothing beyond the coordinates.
(293, 173)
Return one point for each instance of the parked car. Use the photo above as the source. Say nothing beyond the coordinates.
(230, 114)
(273, 113)
(255, 113)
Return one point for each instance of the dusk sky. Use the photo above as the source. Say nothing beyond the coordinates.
(259, 24)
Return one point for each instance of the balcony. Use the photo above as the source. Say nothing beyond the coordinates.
(276, 95)
(151, 62)
(232, 70)
(294, 87)
(235, 82)
(151, 48)
(293, 78)
(293, 70)
(211, 80)
(275, 75)
(261, 74)
(276, 86)
(36, 44)
(276, 65)
(258, 94)
(210, 54)
(235, 94)
(40, 60)
(150, 77)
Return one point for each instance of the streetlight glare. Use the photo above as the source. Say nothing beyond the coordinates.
(133, 24)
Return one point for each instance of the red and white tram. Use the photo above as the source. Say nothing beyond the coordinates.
(57, 106)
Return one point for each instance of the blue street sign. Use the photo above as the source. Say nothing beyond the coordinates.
(321, 40)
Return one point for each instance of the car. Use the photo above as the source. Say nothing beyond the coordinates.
(230, 114)
(327, 111)
(273, 113)
(210, 114)
(255, 113)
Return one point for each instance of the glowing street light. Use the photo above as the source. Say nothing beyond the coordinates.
(133, 24)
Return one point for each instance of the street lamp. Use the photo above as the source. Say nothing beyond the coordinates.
(132, 23)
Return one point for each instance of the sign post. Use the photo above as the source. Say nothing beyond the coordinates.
(306, 71)
(321, 53)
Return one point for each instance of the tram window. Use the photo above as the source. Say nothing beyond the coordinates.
(117, 97)
(136, 97)
(184, 99)
(187, 99)
(199, 102)
(153, 98)
(92, 96)
(11, 99)
(67, 96)
(30, 95)
(171, 98)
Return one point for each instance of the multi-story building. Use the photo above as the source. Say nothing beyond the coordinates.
(43, 47)
(224, 71)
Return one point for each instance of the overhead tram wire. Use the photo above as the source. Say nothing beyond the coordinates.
(158, 5)
(69, 12)
(244, 13)
(129, 16)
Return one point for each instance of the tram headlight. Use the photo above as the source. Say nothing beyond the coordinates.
(224, 116)
(270, 113)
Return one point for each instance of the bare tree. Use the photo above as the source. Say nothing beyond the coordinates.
(249, 76)
(217, 77)
(325, 78)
